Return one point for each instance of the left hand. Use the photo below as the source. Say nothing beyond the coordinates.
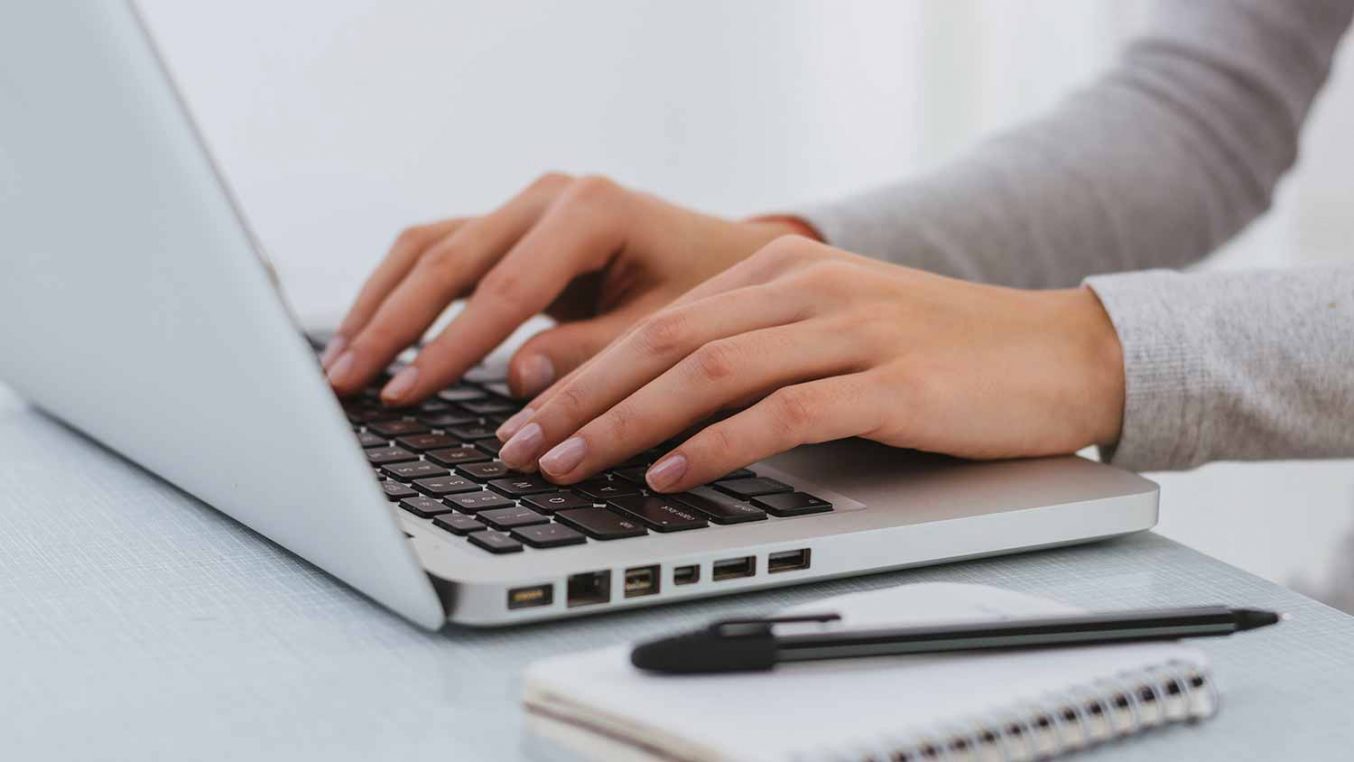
(826, 345)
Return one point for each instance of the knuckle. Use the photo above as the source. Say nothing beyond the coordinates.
(500, 283)
(441, 258)
(570, 401)
(794, 411)
(713, 362)
(663, 333)
(593, 189)
(717, 440)
(617, 422)
(411, 237)
(551, 181)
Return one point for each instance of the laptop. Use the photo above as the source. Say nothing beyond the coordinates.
(136, 306)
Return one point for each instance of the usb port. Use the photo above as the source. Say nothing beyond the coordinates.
(641, 581)
(527, 597)
(731, 568)
(787, 560)
(686, 575)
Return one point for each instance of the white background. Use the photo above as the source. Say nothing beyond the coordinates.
(340, 122)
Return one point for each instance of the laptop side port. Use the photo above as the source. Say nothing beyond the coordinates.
(731, 568)
(686, 575)
(528, 597)
(640, 581)
(589, 588)
(787, 560)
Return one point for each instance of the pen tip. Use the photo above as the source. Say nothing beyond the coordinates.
(1249, 619)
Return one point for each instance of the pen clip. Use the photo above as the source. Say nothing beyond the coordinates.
(736, 628)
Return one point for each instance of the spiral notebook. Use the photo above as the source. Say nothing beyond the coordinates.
(998, 705)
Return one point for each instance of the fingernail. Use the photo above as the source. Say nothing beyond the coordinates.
(514, 422)
(565, 456)
(332, 350)
(666, 472)
(342, 368)
(521, 449)
(537, 373)
(400, 385)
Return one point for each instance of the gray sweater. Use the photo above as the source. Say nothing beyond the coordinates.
(1157, 163)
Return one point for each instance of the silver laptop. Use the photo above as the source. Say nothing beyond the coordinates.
(136, 306)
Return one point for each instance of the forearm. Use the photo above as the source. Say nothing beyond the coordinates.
(1233, 365)
(1154, 165)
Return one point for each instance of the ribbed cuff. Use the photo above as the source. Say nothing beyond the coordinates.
(1164, 370)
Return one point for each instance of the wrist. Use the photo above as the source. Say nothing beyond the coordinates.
(1098, 361)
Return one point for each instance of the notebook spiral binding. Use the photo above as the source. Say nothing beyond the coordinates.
(1057, 724)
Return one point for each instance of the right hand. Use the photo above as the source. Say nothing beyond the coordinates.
(595, 256)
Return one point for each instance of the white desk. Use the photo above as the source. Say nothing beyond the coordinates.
(137, 623)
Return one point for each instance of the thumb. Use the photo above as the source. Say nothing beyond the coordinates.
(552, 353)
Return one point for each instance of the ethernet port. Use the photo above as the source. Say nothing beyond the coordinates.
(588, 588)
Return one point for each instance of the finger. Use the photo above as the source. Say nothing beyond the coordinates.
(444, 272)
(706, 381)
(550, 353)
(817, 411)
(578, 234)
(656, 345)
(408, 247)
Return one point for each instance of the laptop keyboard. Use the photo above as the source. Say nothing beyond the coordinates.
(439, 461)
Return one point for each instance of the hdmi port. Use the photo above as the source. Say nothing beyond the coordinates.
(731, 568)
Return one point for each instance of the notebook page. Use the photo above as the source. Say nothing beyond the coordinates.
(817, 707)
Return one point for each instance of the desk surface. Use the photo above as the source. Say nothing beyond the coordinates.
(136, 622)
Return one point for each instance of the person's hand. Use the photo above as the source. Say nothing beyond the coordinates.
(591, 254)
(827, 345)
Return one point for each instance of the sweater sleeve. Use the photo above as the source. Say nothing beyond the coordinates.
(1233, 365)
(1158, 162)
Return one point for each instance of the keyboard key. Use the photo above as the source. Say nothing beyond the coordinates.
(435, 406)
(448, 419)
(512, 516)
(550, 502)
(445, 485)
(500, 388)
(424, 507)
(490, 446)
(455, 456)
(600, 523)
(518, 486)
(370, 415)
(660, 513)
(741, 473)
(379, 456)
(461, 393)
(719, 507)
(548, 535)
(397, 428)
(473, 502)
(632, 474)
(490, 406)
(422, 442)
(368, 439)
(472, 431)
(754, 487)
(486, 374)
(397, 491)
(458, 523)
(483, 472)
(603, 490)
(495, 542)
(792, 504)
(414, 469)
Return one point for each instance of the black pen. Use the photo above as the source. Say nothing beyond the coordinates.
(749, 645)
